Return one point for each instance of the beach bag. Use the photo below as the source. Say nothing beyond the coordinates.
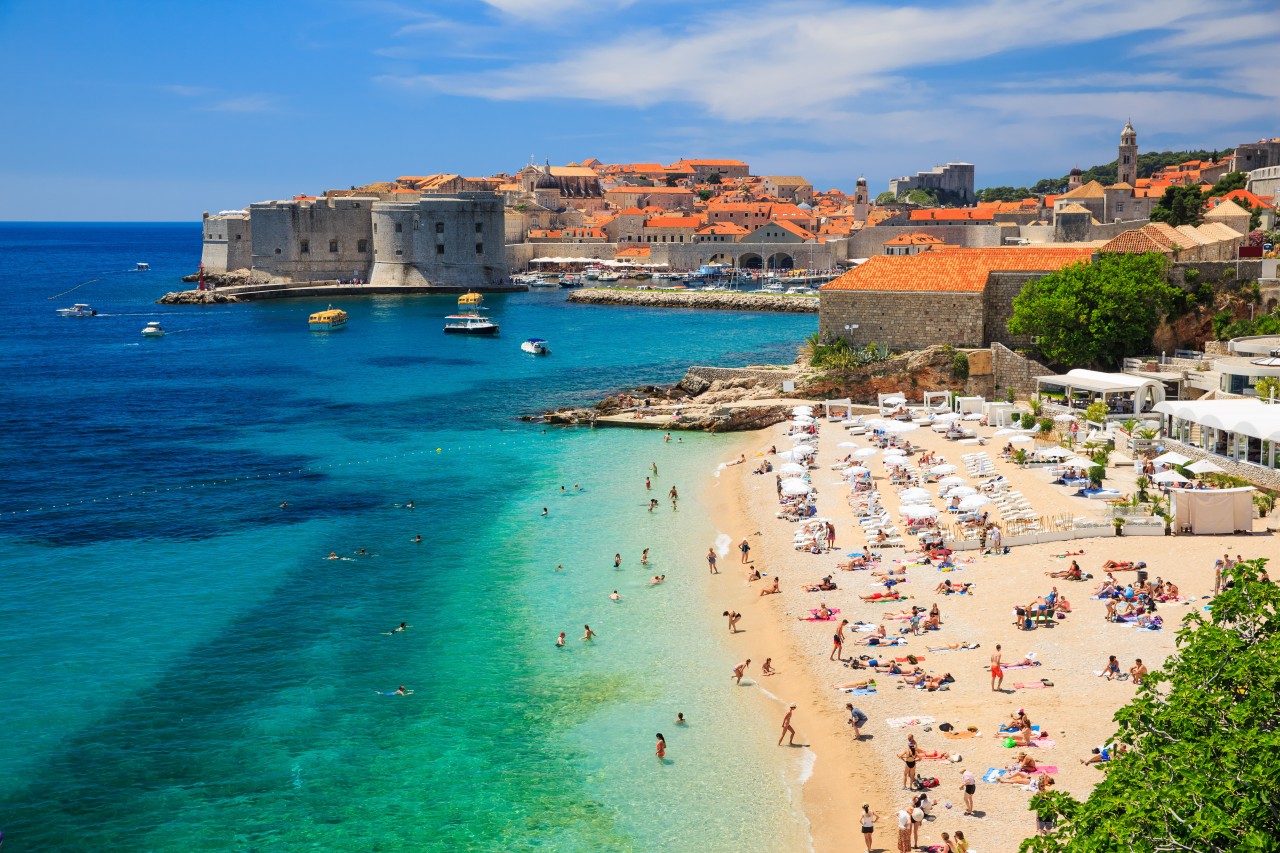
(945, 727)
(924, 783)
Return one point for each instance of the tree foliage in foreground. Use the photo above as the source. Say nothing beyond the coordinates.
(1204, 733)
(1096, 313)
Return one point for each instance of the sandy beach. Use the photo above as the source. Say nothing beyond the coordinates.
(1075, 711)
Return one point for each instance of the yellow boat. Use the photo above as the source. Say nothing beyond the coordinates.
(470, 298)
(329, 320)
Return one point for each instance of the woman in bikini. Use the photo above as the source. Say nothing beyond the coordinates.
(909, 756)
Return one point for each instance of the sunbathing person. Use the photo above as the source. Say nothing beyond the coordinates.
(772, 590)
(1123, 565)
(1100, 755)
(880, 641)
(892, 595)
(934, 754)
(948, 588)
(1074, 573)
(954, 647)
(891, 572)
(1043, 782)
(1169, 593)
(856, 685)
(825, 585)
(853, 564)
(1022, 764)
(930, 682)
(934, 622)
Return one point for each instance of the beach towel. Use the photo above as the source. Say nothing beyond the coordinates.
(903, 722)
(992, 775)
(939, 651)
(813, 615)
(961, 735)
(1007, 730)
(1045, 768)
(1043, 743)
(864, 629)
(1007, 667)
(1033, 685)
(859, 691)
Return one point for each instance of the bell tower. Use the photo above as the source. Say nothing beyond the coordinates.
(1127, 161)
(861, 200)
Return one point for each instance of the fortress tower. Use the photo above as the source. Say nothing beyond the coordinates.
(1127, 161)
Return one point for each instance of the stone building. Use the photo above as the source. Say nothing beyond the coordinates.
(911, 244)
(963, 297)
(954, 179)
(1256, 155)
(1186, 243)
(448, 241)
(703, 169)
(1231, 215)
(787, 188)
(667, 198)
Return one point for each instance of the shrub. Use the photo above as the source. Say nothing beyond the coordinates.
(1097, 412)
(960, 366)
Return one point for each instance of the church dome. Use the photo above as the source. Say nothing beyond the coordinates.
(803, 206)
(1075, 173)
(545, 181)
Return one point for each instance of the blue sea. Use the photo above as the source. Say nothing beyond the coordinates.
(182, 668)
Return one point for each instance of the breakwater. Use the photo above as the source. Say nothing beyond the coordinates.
(717, 300)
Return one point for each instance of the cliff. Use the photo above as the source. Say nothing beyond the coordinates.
(721, 300)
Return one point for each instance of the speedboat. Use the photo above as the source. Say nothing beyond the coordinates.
(77, 310)
(539, 281)
(153, 330)
(536, 346)
(329, 320)
(469, 324)
(609, 276)
(141, 267)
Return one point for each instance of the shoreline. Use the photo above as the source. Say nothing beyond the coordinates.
(714, 300)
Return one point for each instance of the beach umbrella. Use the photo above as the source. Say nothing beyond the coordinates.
(792, 469)
(949, 416)
(973, 416)
(1021, 439)
(952, 480)
(1064, 417)
(796, 486)
(900, 427)
(802, 437)
(865, 453)
(847, 444)
(914, 496)
(919, 511)
(945, 468)
(1170, 477)
(797, 454)
(894, 451)
(1170, 458)
(1007, 431)
(878, 423)
(896, 462)
(1076, 461)
(961, 491)
(1053, 453)
(803, 410)
(1204, 466)
(801, 420)
(895, 400)
(856, 471)
(974, 502)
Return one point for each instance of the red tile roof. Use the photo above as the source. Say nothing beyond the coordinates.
(952, 214)
(634, 252)
(953, 270)
(915, 240)
(673, 222)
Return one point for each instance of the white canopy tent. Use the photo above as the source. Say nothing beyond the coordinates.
(1241, 430)
(1212, 511)
(1123, 394)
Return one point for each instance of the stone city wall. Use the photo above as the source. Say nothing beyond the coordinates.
(869, 242)
(1014, 370)
(903, 320)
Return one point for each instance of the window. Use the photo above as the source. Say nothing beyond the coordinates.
(479, 248)
(439, 248)
(277, 251)
(333, 245)
(375, 228)
(306, 247)
(399, 227)
(479, 227)
(238, 236)
(355, 204)
(399, 251)
(439, 227)
(362, 246)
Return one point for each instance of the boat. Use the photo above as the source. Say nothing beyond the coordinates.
(469, 298)
(329, 320)
(609, 276)
(153, 330)
(141, 267)
(469, 324)
(539, 281)
(77, 310)
(536, 346)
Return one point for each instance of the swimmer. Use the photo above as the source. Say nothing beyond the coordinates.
(417, 538)
(409, 505)
(560, 640)
(562, 491)
(333, 555)
(559, 567)
(544, 512)
(403, 627)
(613, 596)
(662, 746)
(768, 669)
(657, 579)
(617, 560)
(740, 670)
(362, 553)
(667, 439)
(680, 720)
(284, 505)
(577, 488)
(587, 633)
(644, 557)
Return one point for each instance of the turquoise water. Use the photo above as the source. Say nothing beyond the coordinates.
(181, 667)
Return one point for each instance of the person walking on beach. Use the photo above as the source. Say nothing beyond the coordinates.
(734, 617)
(711, 561)
(868, 819)
(787, 727)
(968, 784)
(661, 751)
(997, 672)
(837, 642)
(745, 548)
(831, 536)
(909, 757)
(740, 670)
(904, 831)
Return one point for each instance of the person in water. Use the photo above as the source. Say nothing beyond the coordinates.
(560, 640)
(613, 596)
(662, 746)
(418, 538)
(680, 720)
(544, 512)
(657, 579)
(403, 627)
(333, 555)
(587, 633)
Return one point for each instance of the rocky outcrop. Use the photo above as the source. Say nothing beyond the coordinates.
(717, 300)
(196, 297)
(237, 278)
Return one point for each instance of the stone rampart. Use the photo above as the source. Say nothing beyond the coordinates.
(718, 300)
(903, 320)
(1014, 370)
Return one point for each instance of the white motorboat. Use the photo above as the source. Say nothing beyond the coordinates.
(610, 276)
(153, 330)
(77, 310)
(141, 267)
(469, 324)
(536, 346)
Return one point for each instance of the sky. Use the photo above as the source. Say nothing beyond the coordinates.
(157, 111)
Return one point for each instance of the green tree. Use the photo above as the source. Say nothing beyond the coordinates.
(1097, 412)
(924, 198)
(713, 178)
(960, 366)
(673, 180)
(1182, 205)
(1191, 774)
(1228, 182)
(1255, 218)
(1266, 386)
(1096, 313)
(886, 197)
(705, 195)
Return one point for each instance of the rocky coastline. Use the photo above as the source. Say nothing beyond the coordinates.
(196, 297)
(716, 300)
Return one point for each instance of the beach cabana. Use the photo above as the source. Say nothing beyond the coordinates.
(1240, 430)
(998, 413)
(1124, 395)
(1212, 511)
(846, 404)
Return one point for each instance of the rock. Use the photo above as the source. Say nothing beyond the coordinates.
(196, 297)
(693, 385)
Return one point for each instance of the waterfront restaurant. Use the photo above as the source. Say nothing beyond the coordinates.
(1125, 395)
(1240, 430)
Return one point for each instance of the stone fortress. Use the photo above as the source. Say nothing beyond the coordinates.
(450, 241)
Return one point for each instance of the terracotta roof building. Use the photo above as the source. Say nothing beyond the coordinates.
(911, 244)
(963, 297)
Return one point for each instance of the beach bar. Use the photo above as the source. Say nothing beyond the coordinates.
(1239, 430)
(1125, 395)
